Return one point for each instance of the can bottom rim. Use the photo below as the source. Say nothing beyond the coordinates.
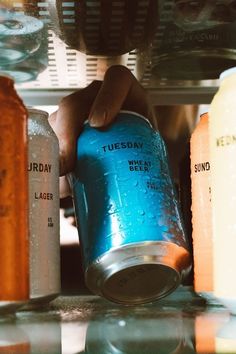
(138, 273)
(121, 288)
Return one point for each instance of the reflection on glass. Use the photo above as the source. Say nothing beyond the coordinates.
(207, 327)
(43, 330)
(226, 337)
(131, 333)
(73, 337)
(13, 340)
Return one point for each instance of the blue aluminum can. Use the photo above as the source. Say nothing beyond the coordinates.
(130, 229)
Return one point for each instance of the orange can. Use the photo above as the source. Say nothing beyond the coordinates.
(201, 207)
(14, 260)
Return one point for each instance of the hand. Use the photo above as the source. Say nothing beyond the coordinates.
(99, 103)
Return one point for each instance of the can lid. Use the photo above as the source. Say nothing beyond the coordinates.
(138, 273)
(227, 73)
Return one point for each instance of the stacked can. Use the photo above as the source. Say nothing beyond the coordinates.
(43, 169)
(130, 228)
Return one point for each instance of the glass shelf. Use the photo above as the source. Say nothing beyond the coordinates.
(182, 323)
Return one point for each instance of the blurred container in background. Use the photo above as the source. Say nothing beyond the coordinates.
(197, 41)
(30, 67)
(20, 36)
(105, 28)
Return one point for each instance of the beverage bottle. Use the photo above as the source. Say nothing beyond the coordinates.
(222, 130)
(14, 267)
(201, 206)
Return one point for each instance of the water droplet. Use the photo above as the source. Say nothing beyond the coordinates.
(141, 212)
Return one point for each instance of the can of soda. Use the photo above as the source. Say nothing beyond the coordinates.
(129, 223)
(43, 169)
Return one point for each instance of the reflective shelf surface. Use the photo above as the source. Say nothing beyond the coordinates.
(182, 323)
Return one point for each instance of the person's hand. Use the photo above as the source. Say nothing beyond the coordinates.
(98, 103)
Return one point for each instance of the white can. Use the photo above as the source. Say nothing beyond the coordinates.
(222, 130)
(44, 208)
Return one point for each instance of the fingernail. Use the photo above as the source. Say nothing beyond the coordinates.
(97, 119)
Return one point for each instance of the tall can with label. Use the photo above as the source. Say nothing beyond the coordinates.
(43, 169)
(222, 125)
(14, 241)
(201, 206)
(133, 242)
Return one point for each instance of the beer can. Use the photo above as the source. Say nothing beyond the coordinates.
(129, 223)
(201, 207)
(14, 242)
(43, 169)
(222, 138)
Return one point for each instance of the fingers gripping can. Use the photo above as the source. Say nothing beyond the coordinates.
(130, 229)
(43, 169)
